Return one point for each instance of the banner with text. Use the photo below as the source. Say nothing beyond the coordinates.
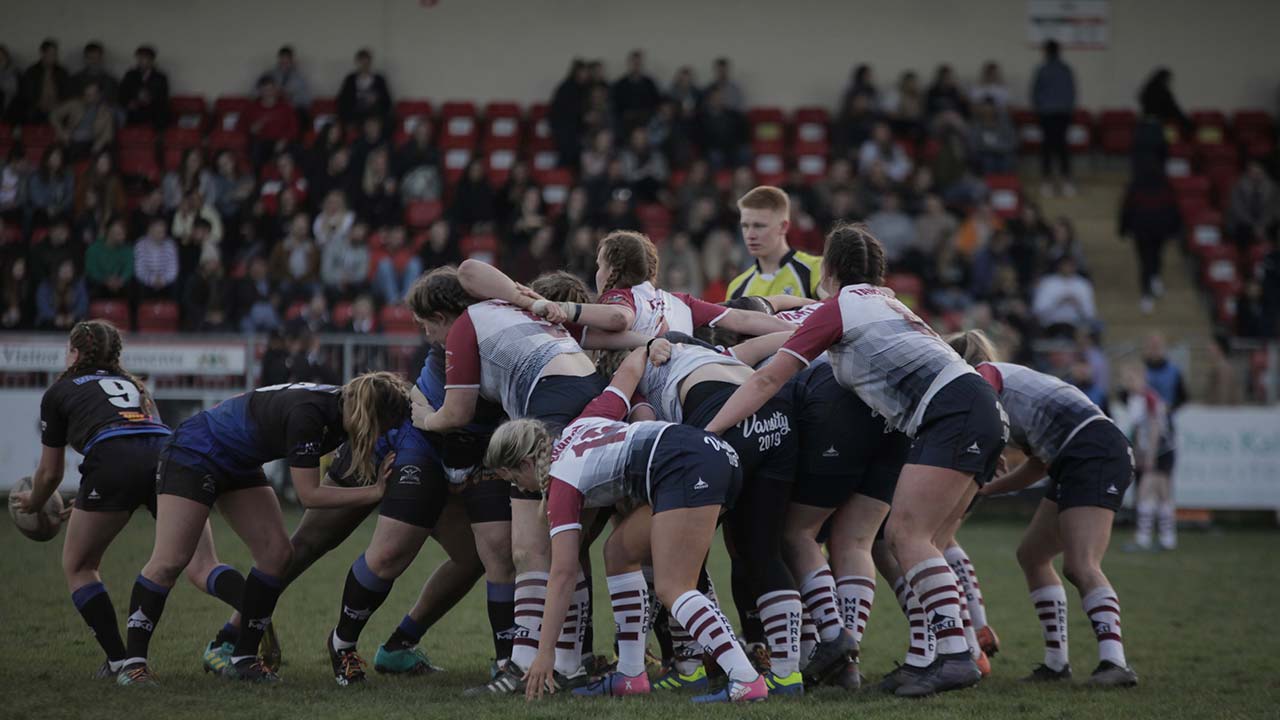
(20, 446)
(1228, 458)
(1075, 24)
(18, 355)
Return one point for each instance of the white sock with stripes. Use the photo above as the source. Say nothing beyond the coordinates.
(857, 593)
(1103, 608)
(935, 586)
(818, 592)
(922, 645)
(629, 594)
(962, 566)
(1051, 609)
(530, 602)
(709, 627)
(780, 612)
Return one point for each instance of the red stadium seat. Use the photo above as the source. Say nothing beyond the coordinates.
(136, 136)
(1204, 231)
(1219, 268)
(188, 111)
(1211, 127)
(115, 312)
(229, 109)
(502, 125)
(769, 166)
(498, 164)
(1115, 131)
(909, 288)
(456, 160)
(1178, 164)
(421, 213)
(6, 131)
(556, 184)
(811, 160)
(398, 320)
(458, 119)
(481, 247)
(811, 124)
(38, 135)
(1080, 132)
(1028, 128)
(539, 126)
(294, 311)
(323, 112)
(655, 220)
(767, 123)
(139, 162)
(228, 140)
(159, 316)
(411, 112)
(341, 314)
(1004, 194)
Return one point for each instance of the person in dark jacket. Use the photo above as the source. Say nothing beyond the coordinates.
(144, 92)
(364, 93)
(565, 113)
(1053, 96)
(1150, 216)
(44, 84)
(635, 95)
(1157, 100)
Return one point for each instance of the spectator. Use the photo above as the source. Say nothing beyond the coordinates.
(312, 318)
(363, 320)
(13, 185)
(1252, 320)
(95, 71)
(1223, 386)
(292, 84)
(334, 221)
(853, 126)
(364, 93)
(1031, 239)
(306, 360)
(644, 167)
(335, 176)
(904, 106)
(668, 133)
(395, 266)
(1087, 345)
(417, 165)
(730, 94)
(257, 299)
(880, 149)
(377, 199)
(1269, 272)
(191, 174)
(108, 263)
(934, 229)
(684, 91)
(988, 262)
(635, 95)
(1082, 377)
(529, 221)
(580, 253)
(872, 185)
(976, 230)
(1150, 216)
(698, 184)
(229, 188)
(331, 137)
(1254, 208)
(61, 299)
(344, 261)
(102, 179)
(954, 161)
(945, 94)
(90, 221)
(198, 229)
(565, 113)
(539, 255)
(596, 158)
(155, 263)
(1063, 243)
(992, 140)
(893, 228)
(721, 130)
(1053, 97)
(10, 86)
(288, 180)
(151, 207)
(839, 177)
(207, 302)
(373, 136)
(991, 88)
(1064, 300)
(51, 189)
(1163, 376)
(271, 122)
(295, 261)
(511, 194)
(86, 124)
(861, 84)
(618, 213)
(680, 265)
(441, 247)
(1156, 100)
(474, 205)
(16, 296)
(144, 92)
(44, 84)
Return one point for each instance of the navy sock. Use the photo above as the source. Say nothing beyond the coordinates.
(146, 604)
(95, 607)
(226, 584)
(363, 594)
(502, 616)
(406, 635)
(745, 600)
(261, 591)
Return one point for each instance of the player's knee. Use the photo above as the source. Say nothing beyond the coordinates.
(1079, 571)
(274, 557)
(388, 562)
(668, 591)
(616, 555)
(1029, 556)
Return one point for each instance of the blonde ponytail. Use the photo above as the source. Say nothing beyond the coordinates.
(516, 440)
(974, 346)
(372, 404)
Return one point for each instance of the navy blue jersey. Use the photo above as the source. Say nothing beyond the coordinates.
(80, 411)
(414, 453)
(430, 382)
(298, 422)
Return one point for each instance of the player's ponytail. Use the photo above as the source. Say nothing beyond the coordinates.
(516, 440)
(853, 256)
(99, 345)
(439, 291)
(974, 346)
(632, 258)
(372, 404)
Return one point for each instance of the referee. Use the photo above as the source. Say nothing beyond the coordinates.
(778, 269)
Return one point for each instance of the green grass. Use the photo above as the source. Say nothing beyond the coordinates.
(1196, 627)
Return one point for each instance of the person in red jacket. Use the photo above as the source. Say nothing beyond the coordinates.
(271, 122)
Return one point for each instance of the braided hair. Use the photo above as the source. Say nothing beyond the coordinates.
(99, 345)
(853, 255)
(561, 286)
(439, 291)
(516, 440)
(632, 258)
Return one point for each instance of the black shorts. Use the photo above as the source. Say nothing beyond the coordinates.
(416, 498)
(557, 400)
(766, 442)
(963, 429)
(119, 474)
(193, 476)
(1093, 470)
(690, 468)
(843, 447)
(488, 501)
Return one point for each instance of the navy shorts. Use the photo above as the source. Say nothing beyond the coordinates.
(1093, 470)
(691, 468)
(964, 429)
(119, 474)
(416, 495)
(190, 466)
(487, 501)
(843, 447)
(766, 442)
(557, 400)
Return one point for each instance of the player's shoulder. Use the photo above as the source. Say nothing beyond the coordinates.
(813, 262)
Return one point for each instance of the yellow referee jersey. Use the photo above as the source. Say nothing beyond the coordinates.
(798, 274)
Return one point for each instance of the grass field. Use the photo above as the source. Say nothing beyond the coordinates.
(1195, 627)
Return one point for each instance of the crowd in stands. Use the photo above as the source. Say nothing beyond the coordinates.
(285, 209)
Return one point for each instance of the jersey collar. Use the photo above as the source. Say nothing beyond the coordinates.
(783, 262)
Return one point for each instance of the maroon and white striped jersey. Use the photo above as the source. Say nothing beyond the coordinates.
(797, 316)
(501, 350)
(880, 350)
(1045, 413)
(658, 311)
(661, 385)
(600, 460)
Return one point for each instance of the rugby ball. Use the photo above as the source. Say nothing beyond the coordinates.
(40, 526)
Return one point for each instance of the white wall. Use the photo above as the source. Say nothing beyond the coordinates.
(787, 52)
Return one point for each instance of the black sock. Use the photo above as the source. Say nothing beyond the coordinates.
(662, 631)
(363, 594)
(95, 607)
(745, 600)
(228, 634)
(589, 627)
(501, 603)
(406, 635)
(146, 604)
(226, 584)
(261, 591)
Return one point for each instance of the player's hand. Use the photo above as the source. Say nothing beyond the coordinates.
(1002, 466)
(541, 676)
(526, 291)
(659, 352)
(420, 414)
(66, 510)
(22, 501)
